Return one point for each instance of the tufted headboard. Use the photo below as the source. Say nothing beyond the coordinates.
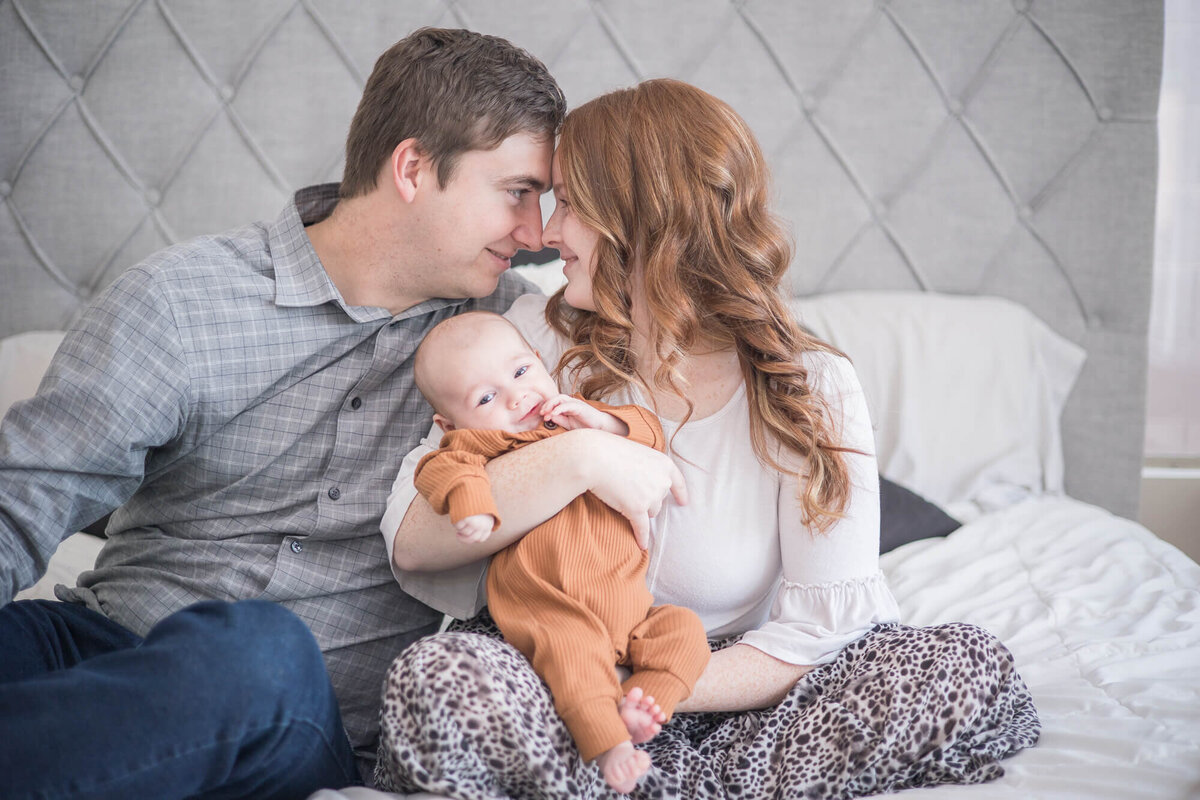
(968, 146)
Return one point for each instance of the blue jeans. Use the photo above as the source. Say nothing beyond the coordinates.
(220, 700)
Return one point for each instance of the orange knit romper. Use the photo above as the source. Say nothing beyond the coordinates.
(571, 594)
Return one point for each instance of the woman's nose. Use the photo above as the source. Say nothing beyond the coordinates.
(550, 235)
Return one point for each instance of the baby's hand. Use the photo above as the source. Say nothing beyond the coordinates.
(570, 413)
(475, 528)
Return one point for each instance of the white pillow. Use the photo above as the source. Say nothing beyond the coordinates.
(548, 277)
(966, 392)
(23, 361)
(76, 554)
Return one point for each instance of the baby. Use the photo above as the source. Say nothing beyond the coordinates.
(571, 594)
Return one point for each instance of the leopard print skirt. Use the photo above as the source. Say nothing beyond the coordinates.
(465, 716)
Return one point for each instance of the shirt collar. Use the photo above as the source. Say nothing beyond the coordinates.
(300, 278)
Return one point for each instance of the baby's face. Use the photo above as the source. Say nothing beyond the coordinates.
(498, 384)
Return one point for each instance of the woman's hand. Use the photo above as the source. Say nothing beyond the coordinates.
(633, 480)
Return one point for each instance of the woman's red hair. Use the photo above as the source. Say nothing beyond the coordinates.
(675, 184)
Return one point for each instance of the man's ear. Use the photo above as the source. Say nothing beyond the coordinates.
(443, 423)
(410, 168)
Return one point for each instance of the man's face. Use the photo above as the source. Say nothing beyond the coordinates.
(486, 212)
(496, 384)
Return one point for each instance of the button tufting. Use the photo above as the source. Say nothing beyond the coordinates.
(153, 197)
(227, 93)
(5, 188)
(879, 207)
(808, 102)
(76, 82)
(1021, 6)
(1106, 113)
(1025, 212)
(955, 107)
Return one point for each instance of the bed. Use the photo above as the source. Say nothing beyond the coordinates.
(971, 190)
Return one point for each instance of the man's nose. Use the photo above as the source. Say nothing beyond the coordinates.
(529, 232)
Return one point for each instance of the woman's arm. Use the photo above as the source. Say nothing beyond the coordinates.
(832, 591)
(534, 483)
(741, 678)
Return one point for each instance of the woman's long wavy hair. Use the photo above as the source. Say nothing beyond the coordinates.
(675, 184)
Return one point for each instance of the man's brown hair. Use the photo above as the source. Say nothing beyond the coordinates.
(453, 91)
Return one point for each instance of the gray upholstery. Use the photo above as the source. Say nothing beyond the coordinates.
(981, 146)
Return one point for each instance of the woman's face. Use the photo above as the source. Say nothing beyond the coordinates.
(575, 242)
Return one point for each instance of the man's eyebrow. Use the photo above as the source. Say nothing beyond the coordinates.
(528, 181)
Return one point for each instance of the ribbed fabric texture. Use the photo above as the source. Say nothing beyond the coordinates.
(571, 595)
(454, 481)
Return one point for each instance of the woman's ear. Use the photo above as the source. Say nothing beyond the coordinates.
(410, 167)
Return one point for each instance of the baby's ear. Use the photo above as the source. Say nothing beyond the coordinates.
(443, 423)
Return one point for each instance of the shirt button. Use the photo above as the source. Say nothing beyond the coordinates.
(356, 403)
(334, 493)
(296, 546)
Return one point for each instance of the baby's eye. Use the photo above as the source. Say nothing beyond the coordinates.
(487, 398)
(521, 371)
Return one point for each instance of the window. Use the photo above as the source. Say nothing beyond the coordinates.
(1173, 399)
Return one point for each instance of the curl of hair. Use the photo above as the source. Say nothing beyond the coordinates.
(674, 183)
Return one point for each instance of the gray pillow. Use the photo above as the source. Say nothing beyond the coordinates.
(905, 516)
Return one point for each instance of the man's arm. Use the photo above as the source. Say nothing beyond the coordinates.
(117, 386)
(534, 483)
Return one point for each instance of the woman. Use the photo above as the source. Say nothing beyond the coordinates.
(673, 265)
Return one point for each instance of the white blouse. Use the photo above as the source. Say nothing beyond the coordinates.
(737, 553)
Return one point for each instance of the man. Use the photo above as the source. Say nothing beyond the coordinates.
(244, 402)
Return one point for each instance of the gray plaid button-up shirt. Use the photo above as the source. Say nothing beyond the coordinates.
(248, 424)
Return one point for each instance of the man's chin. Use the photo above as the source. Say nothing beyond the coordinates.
(488, 288)
(478, 291)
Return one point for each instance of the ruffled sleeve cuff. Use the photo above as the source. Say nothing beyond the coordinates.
(810, 623)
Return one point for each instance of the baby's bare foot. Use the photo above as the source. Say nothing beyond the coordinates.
(641, 715)
(622, 765)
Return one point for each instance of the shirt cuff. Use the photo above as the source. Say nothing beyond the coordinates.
(470, 496)
(811, 623)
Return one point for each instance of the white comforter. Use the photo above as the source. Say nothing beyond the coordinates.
(1104, 621)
